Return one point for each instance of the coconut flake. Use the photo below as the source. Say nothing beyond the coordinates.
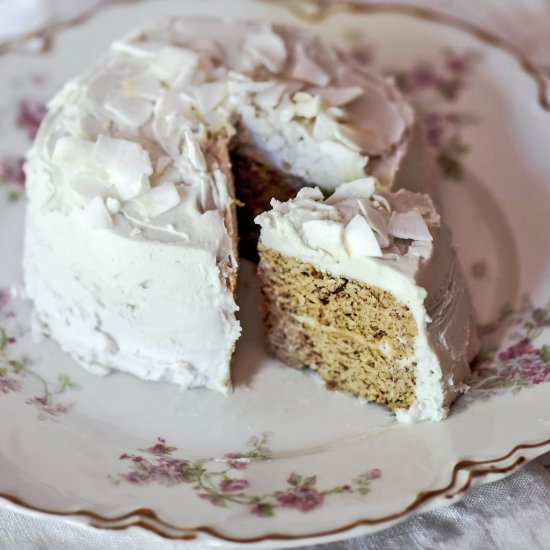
(324, 234)
(409, 225)
(270, 98)
(378, 220)
(351, 159)
(239, 84)
(175, 63)
(286, 110)
(325, 127)
(209, 95)
(380, 200)
(166, 62)
(126, 164)
(87, 185)
(360, 239)
(162, 163)
(144, 87)
(337, 113)
(89, 125)
(131, 111)
(312, 193)
(194, 152)
(96, 215)
(361, 188)
(113, 205)
(157, 200)
(338, 96)
(420, 249)
(306, 69)
(352, 136)
(139, 49)
(307, 106)
(117, 162)
(265, 48)
(72, 150)
(211, 48)
(404, 201)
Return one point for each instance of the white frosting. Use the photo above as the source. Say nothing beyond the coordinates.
(130, 245)
(133, 304)
(397, 243)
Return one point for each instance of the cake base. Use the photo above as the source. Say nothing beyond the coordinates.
(359, 338)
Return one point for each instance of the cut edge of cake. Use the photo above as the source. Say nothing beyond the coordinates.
(365, 288)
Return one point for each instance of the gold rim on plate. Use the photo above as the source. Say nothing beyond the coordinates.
(311, 11)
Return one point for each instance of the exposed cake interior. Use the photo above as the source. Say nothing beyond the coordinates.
(357, 337)
(256, 183)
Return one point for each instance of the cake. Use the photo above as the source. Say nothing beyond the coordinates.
(365, 288)
(130, 252)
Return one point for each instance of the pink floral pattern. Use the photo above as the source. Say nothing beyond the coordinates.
(12, 176)
(30, 113)
(15, 372)
(226, 485)
(444, 134)
(4, 298)
(233, 485)
(301, 498)
(11, 170)
(525, 360)
(8, 384)
(433, 88)
(446, 78)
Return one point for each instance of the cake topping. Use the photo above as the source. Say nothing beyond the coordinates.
(144, 87)
(209, 95)
(113, 205)
(265, 48)
(324, 234)
(338, 96)
(132, 111)
(361, 188)
(306, 69)
(376, 213)
(356, 221)
(96, 214)
(360, 238)
(145, 126)
(108, 165)
(409, 225)
(270, 97)
(125, 164)
(307, 106)
(157, 200)
(193, 150)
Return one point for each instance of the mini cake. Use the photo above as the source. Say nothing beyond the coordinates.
(365, 288)
(130, 250)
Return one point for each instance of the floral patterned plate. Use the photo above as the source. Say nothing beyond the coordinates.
(282, 460)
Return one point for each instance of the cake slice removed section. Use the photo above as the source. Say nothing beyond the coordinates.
(365, 288)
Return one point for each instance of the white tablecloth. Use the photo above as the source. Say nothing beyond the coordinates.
(510, 514)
